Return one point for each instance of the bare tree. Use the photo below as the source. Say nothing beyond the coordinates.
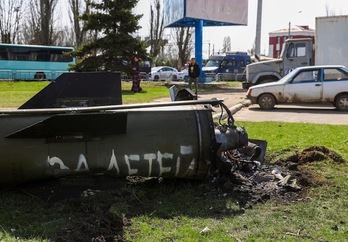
(10, 16)
(31, 26)
(78, 7)
(226, 46)
(329, 12)
(156, 41)
(183, 40)
(39, 27)
(46, 11)
(64, 36)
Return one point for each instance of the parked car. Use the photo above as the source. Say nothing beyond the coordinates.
(312, 84)
(163, 73)
(183, 75)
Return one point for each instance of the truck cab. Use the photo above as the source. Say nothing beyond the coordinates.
(295, 53)
(227, 66)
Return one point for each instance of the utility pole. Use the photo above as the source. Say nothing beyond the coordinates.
(289, 32)
(258, 28)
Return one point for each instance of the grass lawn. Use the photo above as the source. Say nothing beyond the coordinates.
(14, 94)
(186, 210)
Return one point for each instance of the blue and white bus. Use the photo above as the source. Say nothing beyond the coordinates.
(33, 62)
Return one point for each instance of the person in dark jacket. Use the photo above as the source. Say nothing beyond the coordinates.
(194, 71)
(136, 75)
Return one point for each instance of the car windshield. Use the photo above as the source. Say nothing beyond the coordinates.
(344, 69)
(213, 63)
(154, 69)
(288, 77)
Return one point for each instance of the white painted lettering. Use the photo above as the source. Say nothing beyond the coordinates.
(55, 160)
(160, 158)
(82, 162)
(150, 158)
(127, 159)
(113, 163)
(177, 166)
(191, 168)
(185, 149)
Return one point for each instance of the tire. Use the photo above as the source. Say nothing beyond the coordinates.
(341, 102)
(156, 78)
(266, 101)
(40, 76)
(175, 78)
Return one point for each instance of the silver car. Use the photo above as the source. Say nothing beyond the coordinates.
(311, 84)
(163, 73)
(183, 75)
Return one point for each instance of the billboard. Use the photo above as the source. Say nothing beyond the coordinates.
(184, 13)
(231, 11)
(173, 11)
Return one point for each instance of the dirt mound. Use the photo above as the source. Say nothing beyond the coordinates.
(314, 153)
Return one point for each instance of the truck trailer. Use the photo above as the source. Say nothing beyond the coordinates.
(328, 48)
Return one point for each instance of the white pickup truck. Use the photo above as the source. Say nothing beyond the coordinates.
(311, 84)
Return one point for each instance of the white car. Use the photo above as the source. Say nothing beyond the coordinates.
(183, 75)
(311, 84)
(163, 73)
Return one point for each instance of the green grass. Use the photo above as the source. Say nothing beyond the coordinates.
(180, 210)
(289, 136)
(14, 94)
(151, 91)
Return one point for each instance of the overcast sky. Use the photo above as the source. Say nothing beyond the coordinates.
(276, 15)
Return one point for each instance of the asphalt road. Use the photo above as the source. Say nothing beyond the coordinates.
(314, 113)
(306, 113)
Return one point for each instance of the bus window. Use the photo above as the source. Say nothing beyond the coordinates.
(43, 55)
(19, 54)
(22, 57)
(60, 56)
(25, 62)
(3, 53)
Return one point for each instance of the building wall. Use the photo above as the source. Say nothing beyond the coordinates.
(278, 37)
(276, 44)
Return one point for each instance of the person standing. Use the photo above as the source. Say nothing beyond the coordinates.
(194, 71)
(136, 75)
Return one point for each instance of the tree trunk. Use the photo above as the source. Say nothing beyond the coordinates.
(10, 16)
